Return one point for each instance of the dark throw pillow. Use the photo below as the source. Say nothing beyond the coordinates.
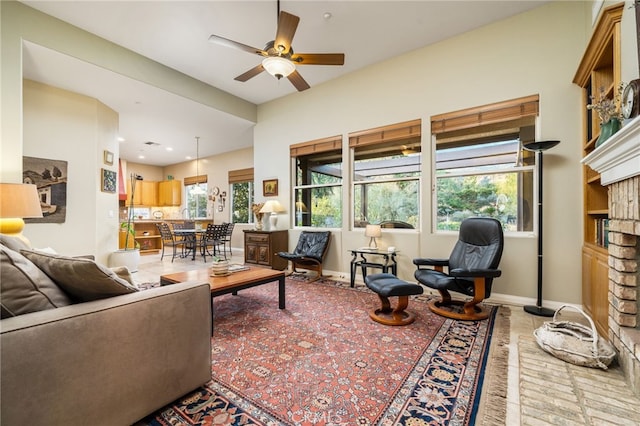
(24, 288)
(82, 279)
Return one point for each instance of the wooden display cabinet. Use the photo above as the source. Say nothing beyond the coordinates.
(147, 236)
(260, 247)
(598, 70)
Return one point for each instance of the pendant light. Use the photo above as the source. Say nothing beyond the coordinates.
(197, 190)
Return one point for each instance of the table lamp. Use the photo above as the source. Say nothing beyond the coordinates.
(17, 201)
(273, 207)
(373, 231)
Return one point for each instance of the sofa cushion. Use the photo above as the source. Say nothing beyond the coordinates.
(25, 288)
(124, 273)
(14, 243)
(82, 279)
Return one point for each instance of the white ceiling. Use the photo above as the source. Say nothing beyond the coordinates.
(175, 33)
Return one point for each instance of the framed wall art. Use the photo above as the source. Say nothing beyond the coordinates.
(270, 187)
(108, 181)
(108, 158)
(50, 177)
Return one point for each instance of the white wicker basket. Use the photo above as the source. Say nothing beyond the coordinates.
(574, 342)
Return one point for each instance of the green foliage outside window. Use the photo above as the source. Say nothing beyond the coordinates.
(241, 200)
(196, 203)
(387, 201)
(488, 195)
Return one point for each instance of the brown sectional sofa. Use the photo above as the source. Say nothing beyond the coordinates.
(109, 361)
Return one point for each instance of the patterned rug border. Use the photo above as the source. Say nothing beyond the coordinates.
(491, 407)
(486, 406)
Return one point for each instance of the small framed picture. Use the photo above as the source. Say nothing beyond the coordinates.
(108, 158)
(270, 187)
(108, 181)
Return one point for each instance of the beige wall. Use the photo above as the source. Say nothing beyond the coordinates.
(505, 60)
(66, 126)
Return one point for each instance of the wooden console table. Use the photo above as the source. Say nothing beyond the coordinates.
(260, 247)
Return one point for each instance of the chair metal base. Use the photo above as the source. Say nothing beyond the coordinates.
(398, 316)
(471, 312)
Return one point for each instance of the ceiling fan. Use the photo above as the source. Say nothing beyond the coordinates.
(279, 58)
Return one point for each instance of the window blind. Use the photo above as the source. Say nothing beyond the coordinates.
(519, 111)
(316, 146)
(193, 180)
(406, 131)
(242, 175)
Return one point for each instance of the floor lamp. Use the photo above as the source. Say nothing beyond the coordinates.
(539, 147)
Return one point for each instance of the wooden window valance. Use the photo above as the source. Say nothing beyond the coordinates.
(242, 175)
(332, 143)
(499, 112)
(406, 131)
(193, 180)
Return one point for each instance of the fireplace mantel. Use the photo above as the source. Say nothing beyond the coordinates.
(619, 157)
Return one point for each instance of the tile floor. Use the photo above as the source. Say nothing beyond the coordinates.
(542, 390)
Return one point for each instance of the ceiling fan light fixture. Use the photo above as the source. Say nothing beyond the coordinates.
(278, 66)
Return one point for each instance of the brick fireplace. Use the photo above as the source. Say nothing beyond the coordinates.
(618, 162)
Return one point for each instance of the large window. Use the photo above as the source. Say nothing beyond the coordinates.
(241, 183)
(386, 175)
(481, 168)
(196, 190)
(318, 183)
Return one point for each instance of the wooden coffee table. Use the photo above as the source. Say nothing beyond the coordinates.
(231, 283)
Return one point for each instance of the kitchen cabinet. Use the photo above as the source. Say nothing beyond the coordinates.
(261, 247)
(146, 193)
(149, 193)
(170, 193)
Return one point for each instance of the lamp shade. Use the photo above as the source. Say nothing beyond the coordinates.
(19, 200)
(272, 206)
(278, 67)
(301, 207)
(373, 231)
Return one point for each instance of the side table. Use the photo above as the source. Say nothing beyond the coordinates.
(388, 262)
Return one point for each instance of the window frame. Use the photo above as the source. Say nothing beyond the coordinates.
(242, 176)
(398, 136)
(310, 149)
(481, 123)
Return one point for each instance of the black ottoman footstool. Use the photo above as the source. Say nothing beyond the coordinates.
(388, 285)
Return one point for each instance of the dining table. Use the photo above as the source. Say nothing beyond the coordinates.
(190, 236)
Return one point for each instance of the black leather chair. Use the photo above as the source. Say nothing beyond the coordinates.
(471, 268)
(310, 251)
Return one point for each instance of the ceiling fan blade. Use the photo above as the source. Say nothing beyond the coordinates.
(318, 58)
(296, 79)
(235, 45)
(250, 74)
(287, 25)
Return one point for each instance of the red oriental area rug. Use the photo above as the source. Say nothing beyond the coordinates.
(322, 361)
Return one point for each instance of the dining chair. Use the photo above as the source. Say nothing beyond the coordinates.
(213, 238)
(169, 240)
(227, 236)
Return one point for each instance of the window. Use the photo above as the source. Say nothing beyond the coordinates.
(481, 168)
(386, 175)
(196, 190)
(318, 183)
(241, 182)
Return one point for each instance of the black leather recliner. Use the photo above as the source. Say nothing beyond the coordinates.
(471, 268)
(310, 251)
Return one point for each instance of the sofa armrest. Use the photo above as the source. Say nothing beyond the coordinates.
(109, 361)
